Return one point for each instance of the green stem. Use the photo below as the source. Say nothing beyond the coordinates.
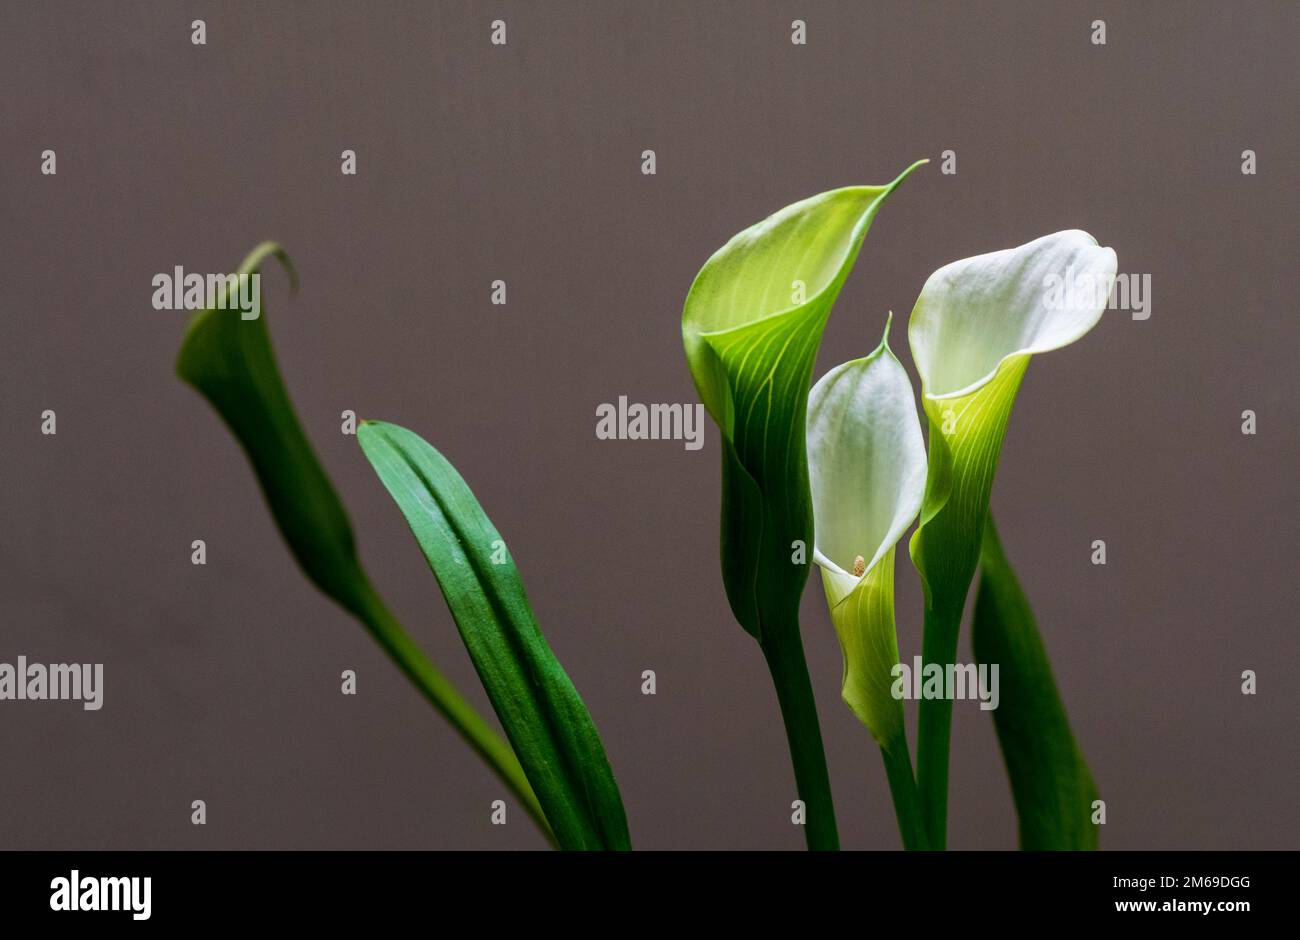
(934, 730)
(469, 724)
(783, 651)
(907, 800)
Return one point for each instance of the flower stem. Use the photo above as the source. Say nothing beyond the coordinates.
(907, 800)
(934, 729)
(783, 650)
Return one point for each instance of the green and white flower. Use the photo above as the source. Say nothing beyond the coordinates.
(977, 317)
(866, 469)
(751, 327)
(973, 330)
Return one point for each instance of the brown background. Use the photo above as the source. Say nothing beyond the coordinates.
(523, 163)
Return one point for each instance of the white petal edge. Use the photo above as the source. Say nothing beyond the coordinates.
(975, 313)
(866, 463)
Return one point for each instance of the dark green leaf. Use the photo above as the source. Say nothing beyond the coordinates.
(1050, 781)
(230, 362)
(540, 709)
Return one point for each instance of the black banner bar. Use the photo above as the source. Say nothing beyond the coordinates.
(442, 889)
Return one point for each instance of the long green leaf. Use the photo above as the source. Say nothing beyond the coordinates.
(1050, 782)
(541, 711)
(751, 326)
(230, 362)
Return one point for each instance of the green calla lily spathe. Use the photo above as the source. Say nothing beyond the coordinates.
(751, 327)
(973, 330)
(867, 472)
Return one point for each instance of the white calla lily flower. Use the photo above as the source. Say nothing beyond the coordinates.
(867, 471)
(975, 314)
(973, 330)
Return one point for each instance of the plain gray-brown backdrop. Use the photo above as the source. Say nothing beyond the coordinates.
(522, 162)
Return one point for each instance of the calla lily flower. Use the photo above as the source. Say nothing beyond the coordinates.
(867, 470)
(867, 477)
(751, 325)
(980, 316)
(973, 330)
